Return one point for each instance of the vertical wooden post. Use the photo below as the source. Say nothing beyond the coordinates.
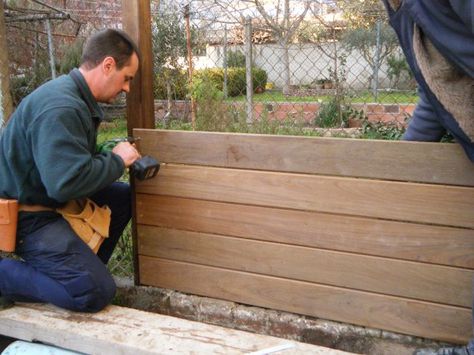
(6, 105)
(140, 105)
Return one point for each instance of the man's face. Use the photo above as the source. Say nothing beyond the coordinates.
(118, 80)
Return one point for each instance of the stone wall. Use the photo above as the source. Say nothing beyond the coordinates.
(286, 325)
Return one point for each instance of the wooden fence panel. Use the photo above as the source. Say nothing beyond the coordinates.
(423, 203)
(379, 234)
(373, 310)
(388, 160)
(367, 273)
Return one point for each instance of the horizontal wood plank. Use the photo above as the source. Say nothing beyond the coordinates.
(126, 331)
(426, 243)
(406, 316)
(393, 160)
(423, 203)
(433, 283)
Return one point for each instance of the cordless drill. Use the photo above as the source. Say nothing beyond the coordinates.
(144, 168)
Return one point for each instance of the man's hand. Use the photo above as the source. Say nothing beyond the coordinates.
(127, 152)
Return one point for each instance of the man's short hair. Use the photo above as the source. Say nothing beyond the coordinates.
(108, 43)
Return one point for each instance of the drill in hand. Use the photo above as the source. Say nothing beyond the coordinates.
(143, 169)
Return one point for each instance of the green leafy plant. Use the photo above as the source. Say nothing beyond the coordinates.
(71, 57)
(178, 81)
(397, 69)
(382, 130)
(210, 114)
(235, 59)
(329, 115)
(236, 79)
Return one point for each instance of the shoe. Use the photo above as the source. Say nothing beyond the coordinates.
(6, 303)
(458, 350)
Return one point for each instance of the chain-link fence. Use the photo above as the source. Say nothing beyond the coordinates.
(325, 67)
(307, 67)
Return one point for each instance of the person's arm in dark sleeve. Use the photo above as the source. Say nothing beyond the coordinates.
(465, 11)
(67, 168)
(424, 125)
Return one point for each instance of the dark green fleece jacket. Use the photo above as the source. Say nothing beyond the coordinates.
(47, 149)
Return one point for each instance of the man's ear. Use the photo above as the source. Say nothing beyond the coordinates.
(108, 64)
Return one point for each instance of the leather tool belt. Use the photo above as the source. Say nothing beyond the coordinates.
(8, 223)
(88, 220)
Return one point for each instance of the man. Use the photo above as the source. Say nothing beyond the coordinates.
(47, 158)
(437, 38)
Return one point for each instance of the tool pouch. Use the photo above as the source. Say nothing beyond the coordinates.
(8, 223)
(88, 220)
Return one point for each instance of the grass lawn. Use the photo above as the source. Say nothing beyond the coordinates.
(361, 97)
(110, 130)
(121, 262)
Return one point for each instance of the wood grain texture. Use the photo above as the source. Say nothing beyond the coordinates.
(425, 243)
(423, 319)
(379, 234)
(126, 331)
(392, 160)
(423, 203)
(140, 102)
(380, 275)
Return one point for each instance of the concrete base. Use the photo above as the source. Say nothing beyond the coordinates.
(269, 322)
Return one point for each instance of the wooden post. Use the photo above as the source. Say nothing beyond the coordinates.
(6, 105)
(140, 104)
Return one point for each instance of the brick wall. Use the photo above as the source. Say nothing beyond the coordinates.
(299, 110)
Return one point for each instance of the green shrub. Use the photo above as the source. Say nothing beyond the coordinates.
(210, 113)
(235, 59)
(72, 56)
(236, 79)
(382, 130)
(178, 80)
(259, 80)
(336, 114)
(215, 75)
(236, 82)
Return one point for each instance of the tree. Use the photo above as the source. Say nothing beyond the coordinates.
(169, 45)
(283, 26)
(361, 13)
(374, 45)
(28, 35)
(6, 106)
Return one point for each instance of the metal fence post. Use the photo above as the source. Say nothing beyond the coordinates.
(375, 85)
(225, 62)
(51, 50)
(248, 68)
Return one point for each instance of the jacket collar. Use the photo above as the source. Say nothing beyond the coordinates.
(96, 111)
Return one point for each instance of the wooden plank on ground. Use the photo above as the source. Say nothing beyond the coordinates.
(118, 330)
(430, 320)
(417, 242)
(393, 160)
(423, 203)
(421, 281)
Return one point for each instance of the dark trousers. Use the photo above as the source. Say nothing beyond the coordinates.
(58, 267)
